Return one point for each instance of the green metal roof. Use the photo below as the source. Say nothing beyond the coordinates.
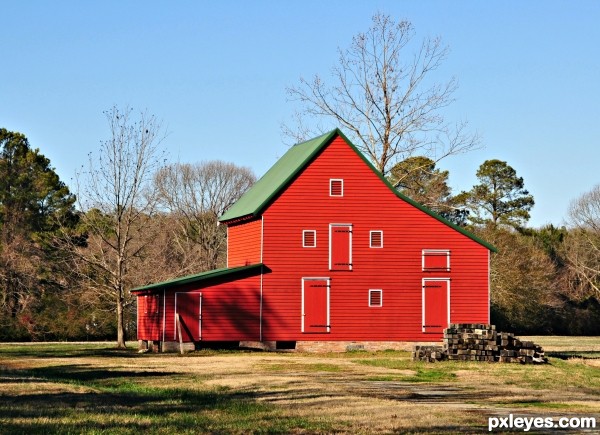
(255, 200)
(211, 274)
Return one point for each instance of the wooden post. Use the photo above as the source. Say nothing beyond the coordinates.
(179, 333)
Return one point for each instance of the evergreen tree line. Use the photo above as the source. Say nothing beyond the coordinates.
(63, 260)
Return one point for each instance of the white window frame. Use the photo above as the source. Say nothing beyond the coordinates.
(304, 245)
(371, 239)
(440, 252)
(380, 297)
(331, 180)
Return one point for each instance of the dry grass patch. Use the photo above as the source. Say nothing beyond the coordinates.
(80, 389)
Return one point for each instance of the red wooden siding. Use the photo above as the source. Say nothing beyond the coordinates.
(396, 268)
(149, 316)
(188, 307)
(244, 243)
(230, 311)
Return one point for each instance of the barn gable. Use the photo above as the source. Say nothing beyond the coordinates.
(254, 202)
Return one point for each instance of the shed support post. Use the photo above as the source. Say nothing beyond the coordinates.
(179, 334)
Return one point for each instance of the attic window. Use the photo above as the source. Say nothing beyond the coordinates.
(336, 187)
(376, 239)
(309, 239)
(436, 260)
(375, 298)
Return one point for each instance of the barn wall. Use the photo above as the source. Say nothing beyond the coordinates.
(244, 243)
(396, 268)
(230, 310)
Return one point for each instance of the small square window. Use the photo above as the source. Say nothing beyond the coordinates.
(309, 239)
(336, 187)
(375, 298)
(376, 239)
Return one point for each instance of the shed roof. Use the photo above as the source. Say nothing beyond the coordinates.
(283, 172)
(190, 279)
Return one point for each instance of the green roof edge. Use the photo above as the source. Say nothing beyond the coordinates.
(210, 274)
(326, 138)
(415, 203)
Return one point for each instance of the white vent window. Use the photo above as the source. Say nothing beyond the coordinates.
(376, 239)
(336, 187)
(309, 239)
(376, 298)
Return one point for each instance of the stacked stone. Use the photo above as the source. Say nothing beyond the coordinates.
(429, 353)
(481, 342)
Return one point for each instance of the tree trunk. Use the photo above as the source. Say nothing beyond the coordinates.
(120, 322)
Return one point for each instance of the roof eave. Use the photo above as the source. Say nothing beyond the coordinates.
(190, 279)
(326, 139)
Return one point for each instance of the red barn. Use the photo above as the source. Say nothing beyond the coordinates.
(322, 249)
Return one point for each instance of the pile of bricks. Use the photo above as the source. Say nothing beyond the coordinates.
(481, 342)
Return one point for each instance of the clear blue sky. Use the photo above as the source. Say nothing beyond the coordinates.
(215, 72)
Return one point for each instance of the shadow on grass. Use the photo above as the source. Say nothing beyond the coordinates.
(117, 404)
(83, 374)
(44, 351)
(574, 354)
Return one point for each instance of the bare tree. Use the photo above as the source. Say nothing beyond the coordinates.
(383, 95)
(583, 244)
(197, 194)
(117, 203)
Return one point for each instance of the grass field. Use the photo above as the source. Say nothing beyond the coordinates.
(92, 388)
